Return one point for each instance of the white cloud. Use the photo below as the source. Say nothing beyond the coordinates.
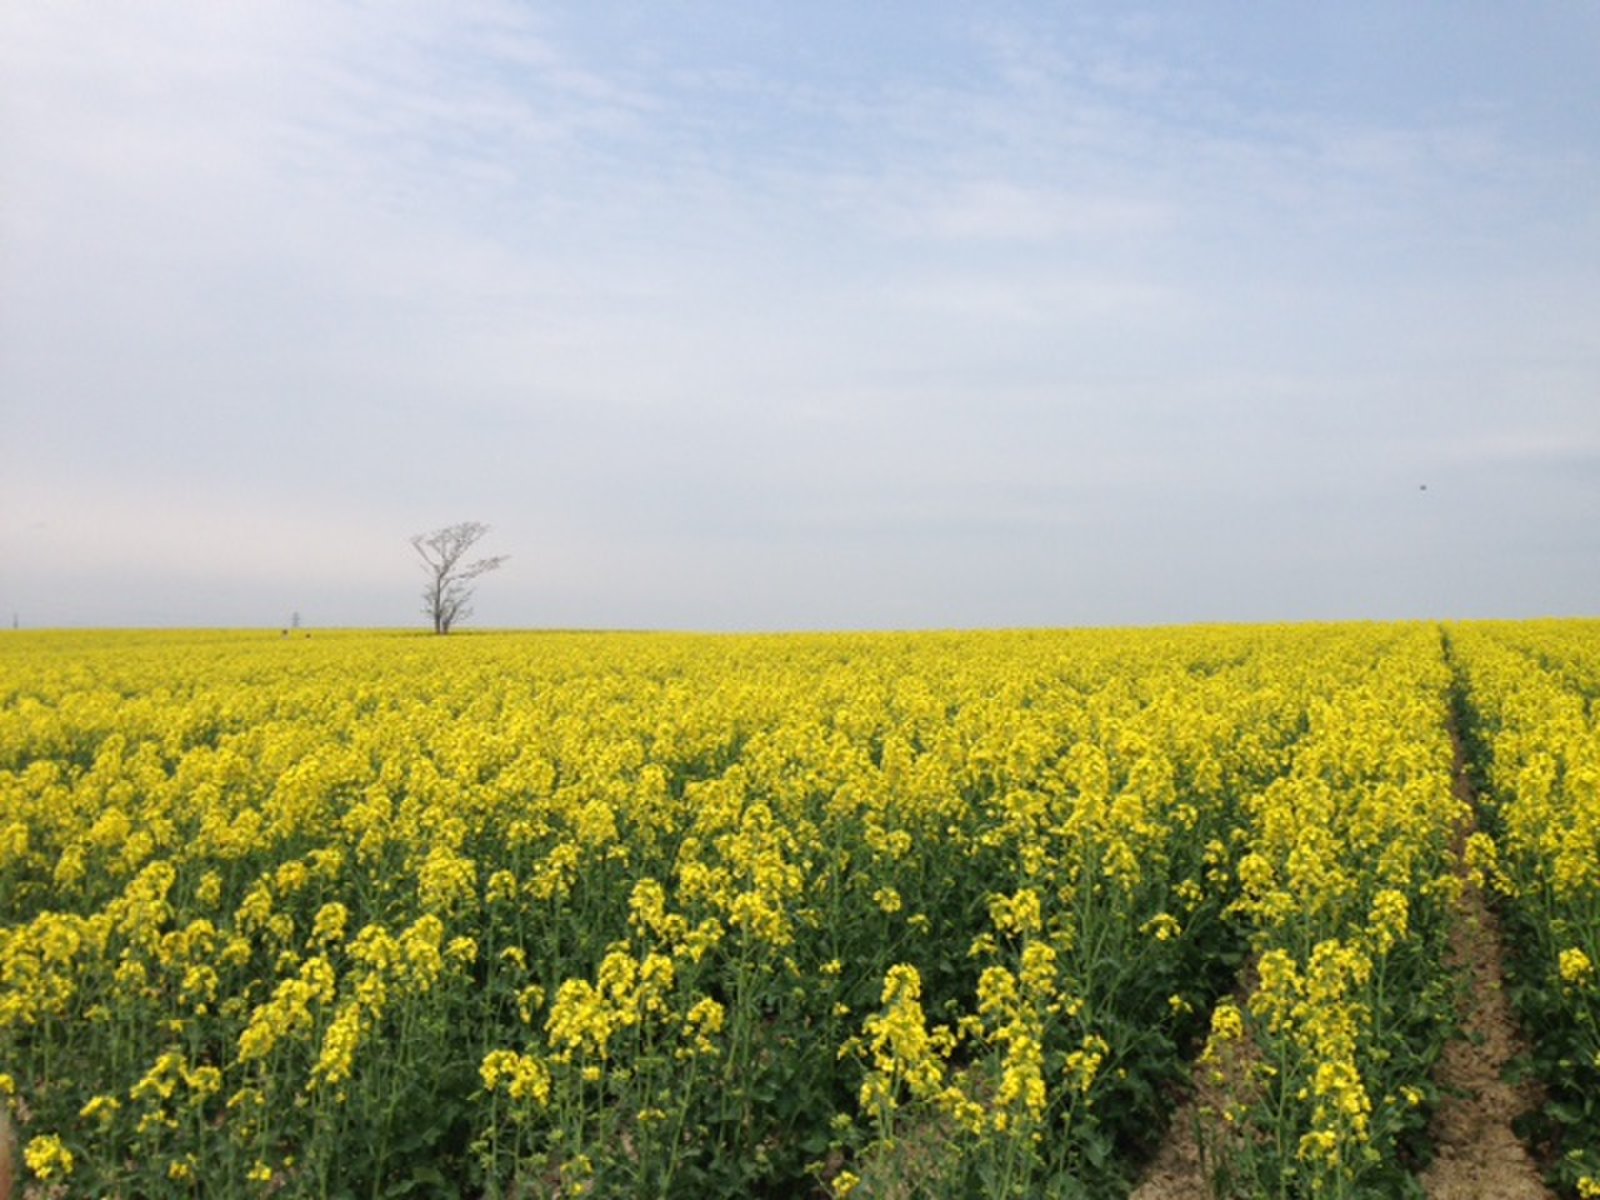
(707, 330)
(1000, 210)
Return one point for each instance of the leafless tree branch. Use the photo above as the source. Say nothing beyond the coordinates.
(446, 596)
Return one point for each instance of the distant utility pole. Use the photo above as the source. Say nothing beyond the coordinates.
(294, 619)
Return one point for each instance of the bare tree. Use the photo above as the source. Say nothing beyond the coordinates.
(449, 588)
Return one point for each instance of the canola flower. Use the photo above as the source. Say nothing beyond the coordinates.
(47, 1158)
(663, 914)
(1531, 690)
(1346, 881)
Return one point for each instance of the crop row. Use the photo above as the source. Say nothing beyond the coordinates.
(653, 915)
(1532, 695)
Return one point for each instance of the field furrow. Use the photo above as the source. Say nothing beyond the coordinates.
(875, 915)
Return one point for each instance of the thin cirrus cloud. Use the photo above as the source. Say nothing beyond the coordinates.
(746, 317)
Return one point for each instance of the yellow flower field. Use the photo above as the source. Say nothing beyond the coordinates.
(374, 914)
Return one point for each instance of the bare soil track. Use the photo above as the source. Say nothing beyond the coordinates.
(1177, 1172)
(1476, 1154)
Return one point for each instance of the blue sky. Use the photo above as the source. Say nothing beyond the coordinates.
(761, 316)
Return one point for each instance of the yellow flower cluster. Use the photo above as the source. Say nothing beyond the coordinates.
(261, 897)
(1533, 689)
(523, 1078)
(1345, 878)
(47, 1157)
(903, 1050)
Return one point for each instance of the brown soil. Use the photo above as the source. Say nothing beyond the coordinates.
(8, 1141)
(1177, 1171)
(1476, 1153)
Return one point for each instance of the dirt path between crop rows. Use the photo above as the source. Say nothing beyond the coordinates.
(1177, 1172)
(1476, 1154)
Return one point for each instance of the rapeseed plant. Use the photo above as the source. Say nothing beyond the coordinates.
(598, 914)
